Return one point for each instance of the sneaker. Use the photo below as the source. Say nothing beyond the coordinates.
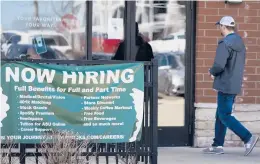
(214, 150)
(251, 144)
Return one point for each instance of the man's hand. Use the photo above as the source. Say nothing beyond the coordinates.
(212, 77)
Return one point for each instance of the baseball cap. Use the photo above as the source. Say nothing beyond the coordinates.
(227, 21)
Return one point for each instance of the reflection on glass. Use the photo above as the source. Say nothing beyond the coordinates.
(49, 29)
(107, 28)
(162, 23)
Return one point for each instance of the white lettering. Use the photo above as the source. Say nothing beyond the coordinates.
(66, 76)
(42, 75)
(91, 76)
(102, 77)
(32, 75)
(81, 78)
(9, 73)
(129, 78)
(45, 74)
(29, 74)
(113, 76)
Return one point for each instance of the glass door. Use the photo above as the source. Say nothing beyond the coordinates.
(163, 25)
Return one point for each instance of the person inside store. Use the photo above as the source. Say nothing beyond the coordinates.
(144, 49)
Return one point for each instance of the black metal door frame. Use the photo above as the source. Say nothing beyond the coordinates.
(190, 71)
(88, 30)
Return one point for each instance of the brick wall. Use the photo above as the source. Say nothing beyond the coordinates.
(247, 110)
(247, 16)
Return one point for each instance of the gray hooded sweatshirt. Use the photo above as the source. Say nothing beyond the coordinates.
(229, 63)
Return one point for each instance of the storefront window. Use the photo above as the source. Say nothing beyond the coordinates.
(107, 28)
(43, 29)
(162, 24)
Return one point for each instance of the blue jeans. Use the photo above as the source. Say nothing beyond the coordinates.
(225, 120)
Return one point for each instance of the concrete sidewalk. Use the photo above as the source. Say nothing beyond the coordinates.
(186, 155)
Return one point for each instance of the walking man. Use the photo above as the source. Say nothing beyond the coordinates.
(227, 72)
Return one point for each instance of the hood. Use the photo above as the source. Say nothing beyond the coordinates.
(235, 42)
(139, 40)
(178, 72)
